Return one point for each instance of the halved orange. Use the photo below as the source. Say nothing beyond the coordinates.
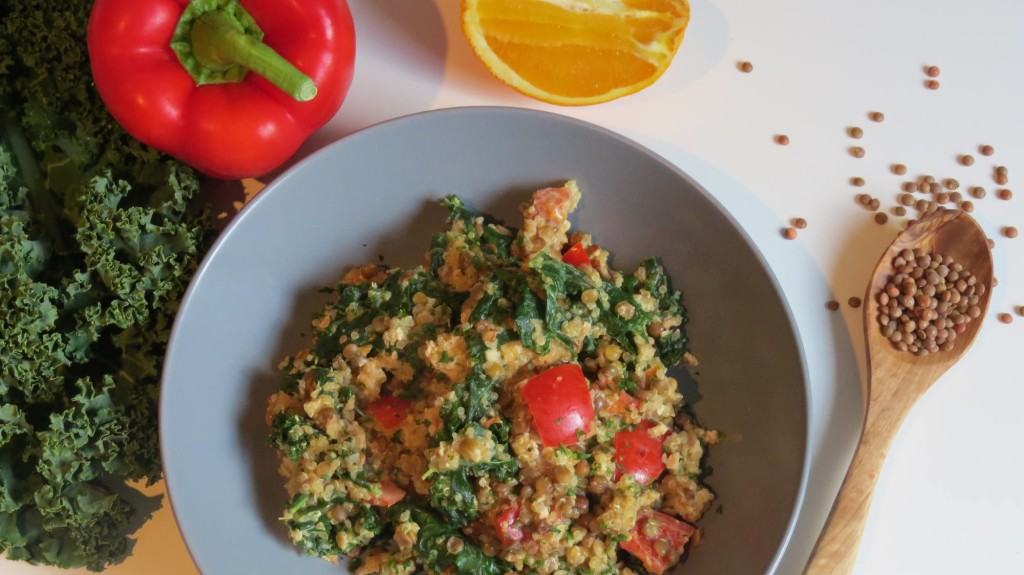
(576, 52)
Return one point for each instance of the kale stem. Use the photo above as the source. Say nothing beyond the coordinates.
(44, 207)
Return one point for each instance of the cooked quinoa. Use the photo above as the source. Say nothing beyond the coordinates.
(504, 408)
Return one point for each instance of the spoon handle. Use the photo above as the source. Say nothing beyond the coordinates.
(836, 550)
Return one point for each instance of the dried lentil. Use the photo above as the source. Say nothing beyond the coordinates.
(832, 305)
(1005, 318)
(799, 223)
(1010, 232)
(967, 159)
(1004, 194)
(978, 192)
(931, 84)
(745, 67)
(876, 116)
(782, 139)
(857, 181)
(932, 71)
(986, 150)
(857, 151)
(854, 302)
(789, 233)
(855, 132)
(927, 302)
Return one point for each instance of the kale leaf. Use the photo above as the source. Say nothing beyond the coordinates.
(433, 548)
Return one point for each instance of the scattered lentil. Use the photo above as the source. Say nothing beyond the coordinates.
(881, 219)
(857, 151)
(1005, 318)
(832, 305)
(799, 223)
(854, 302)
(855, 132)
(942, 198)
(1002, 175)
(864, 200)
(951, 184)
(927, 302)
(935, 188)
(789, 233)
(876, 116)
(931, 84)
(906, 200)
(922, 205)
(857, 181)
(909, 187)
(1020, 310)
(899, 211)
(746, 67)
(978, 192)
(932, 71)
(967, 159)
(956, 197)
(986, 150)
(874, 205)
(899, 169)
(1004, 194)
(782, 139)
(1010, 232)
(967, 206)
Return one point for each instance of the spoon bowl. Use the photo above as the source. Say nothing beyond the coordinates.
(896, 378)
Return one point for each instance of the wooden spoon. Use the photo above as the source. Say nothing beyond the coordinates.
(897, 378)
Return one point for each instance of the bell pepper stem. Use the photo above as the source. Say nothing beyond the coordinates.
(217, 42)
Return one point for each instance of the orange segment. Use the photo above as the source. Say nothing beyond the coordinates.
(576, 52)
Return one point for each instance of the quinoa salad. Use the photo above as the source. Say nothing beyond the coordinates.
(504, 408)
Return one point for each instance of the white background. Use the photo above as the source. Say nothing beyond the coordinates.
(950, 497)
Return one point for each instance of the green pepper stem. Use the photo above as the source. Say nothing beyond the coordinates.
(218, 43)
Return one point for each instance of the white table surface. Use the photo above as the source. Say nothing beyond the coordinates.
(949, 499)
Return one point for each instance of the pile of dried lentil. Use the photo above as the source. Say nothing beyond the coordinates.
(927, 302)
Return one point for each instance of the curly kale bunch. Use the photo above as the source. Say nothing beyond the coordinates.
(97, 244)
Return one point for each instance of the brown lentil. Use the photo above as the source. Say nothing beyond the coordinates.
(899, 211)
(986, 150)
(857, 152)
(967, 159)
(935, 188)
(1020, 310)
(967, 206)
(927, 302)
(746, 67)
(876, 116)
(789, 233)
(906, 200)
(931, 84)
(923, 187)
(799, 223)
(942, 198)
(978, 192)
(855, 132)
(782, 139)
(899, 169)
(956, 197)
(832, 305)
(909, 187)
(881, 218)
(864, 200)
(951, 184)
(1005, 318)
(1002, 175)
(854, 302)
(932, 71)
(1004, 194)
(874, 205)
(1010, 232)
(857, 181)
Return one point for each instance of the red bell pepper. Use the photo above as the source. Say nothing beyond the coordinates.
(176, 75)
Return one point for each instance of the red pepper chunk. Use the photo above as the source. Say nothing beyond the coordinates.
(507, 526)
(232, 87)
(559, 401)
(388, 411)
(658, 541)
(638, 454)
(576, 256)
(389, 494)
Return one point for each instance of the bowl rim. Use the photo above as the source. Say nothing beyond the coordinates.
(281, 179)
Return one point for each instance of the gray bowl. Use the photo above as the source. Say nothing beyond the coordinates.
(373, 194)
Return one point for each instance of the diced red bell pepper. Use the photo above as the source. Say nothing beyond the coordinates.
(507, 526)
(638, 454)
(658, 541)
(559, 401)
(389, 494)
(576, 256)
(388, 411)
